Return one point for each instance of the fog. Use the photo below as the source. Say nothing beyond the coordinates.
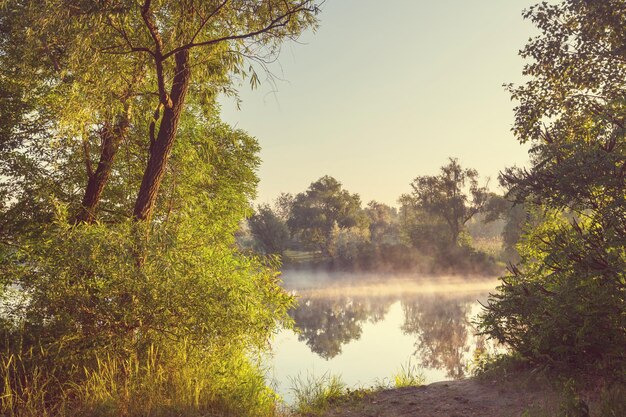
(330, 284)
(345, 320)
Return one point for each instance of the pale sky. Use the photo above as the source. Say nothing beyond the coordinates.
(385, 91)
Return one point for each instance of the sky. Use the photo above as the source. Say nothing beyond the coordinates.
(385, 91)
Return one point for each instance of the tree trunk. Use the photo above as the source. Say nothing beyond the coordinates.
(161, 148)
(111, 139)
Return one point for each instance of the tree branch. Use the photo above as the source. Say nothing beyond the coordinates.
(122, 32)
(206, 20)
(150, 23)
(279, 21)
(87, 156)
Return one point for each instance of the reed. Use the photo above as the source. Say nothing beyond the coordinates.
(313, 395)
(156, 384)
(408, 376)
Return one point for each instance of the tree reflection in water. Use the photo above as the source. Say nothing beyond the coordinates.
(445, 335)
(442, 326)
(326, 324)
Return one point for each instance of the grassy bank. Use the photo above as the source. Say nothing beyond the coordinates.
(315, 395)
(159, 384)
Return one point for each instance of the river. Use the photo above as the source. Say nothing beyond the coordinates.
(365, 327)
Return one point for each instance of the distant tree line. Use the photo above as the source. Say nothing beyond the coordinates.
(428, 233)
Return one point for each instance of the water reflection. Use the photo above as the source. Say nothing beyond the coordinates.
(439, 325)
(444, 335)
(325, 324)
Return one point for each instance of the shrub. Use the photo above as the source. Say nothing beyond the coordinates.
(110, 322)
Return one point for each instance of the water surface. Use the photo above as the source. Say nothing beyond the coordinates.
(365, 327)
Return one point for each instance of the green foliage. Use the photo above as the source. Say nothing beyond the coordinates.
(348, 243)
(384, 224)
(86, 89)
(379, 248)
(508, 218)
(572, 405)
(84, 305)
(422, 230)
(329, 221)
(498, 366)
(564, 305)
(159, 383)
(87, 280)
(515, 220)
(269, 230)
(408, 376)
(439, 206)
(433, 220)
(325, 204)
(97, 48)
(557, 309)
(315, 394)
(108, 309)
(88, 302)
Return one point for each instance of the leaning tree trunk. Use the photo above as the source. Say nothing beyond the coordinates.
(111, 139)
(161, 146)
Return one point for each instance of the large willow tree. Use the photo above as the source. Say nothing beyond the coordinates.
(565, 303)
(117, 65)
(121, 192)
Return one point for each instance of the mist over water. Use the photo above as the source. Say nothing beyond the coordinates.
(328, 284)
(364, 327)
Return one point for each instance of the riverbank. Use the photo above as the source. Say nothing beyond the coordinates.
(517, 395)
(523, 396)
(463, 398)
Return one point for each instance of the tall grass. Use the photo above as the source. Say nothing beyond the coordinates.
(408, 376)
(313, 394)
(156, 385)
(24, 390)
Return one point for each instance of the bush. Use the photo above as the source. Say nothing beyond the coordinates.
(110, 322)
(465, 260)
(564, 307)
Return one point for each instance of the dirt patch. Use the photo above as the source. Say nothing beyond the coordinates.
(464, 398)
